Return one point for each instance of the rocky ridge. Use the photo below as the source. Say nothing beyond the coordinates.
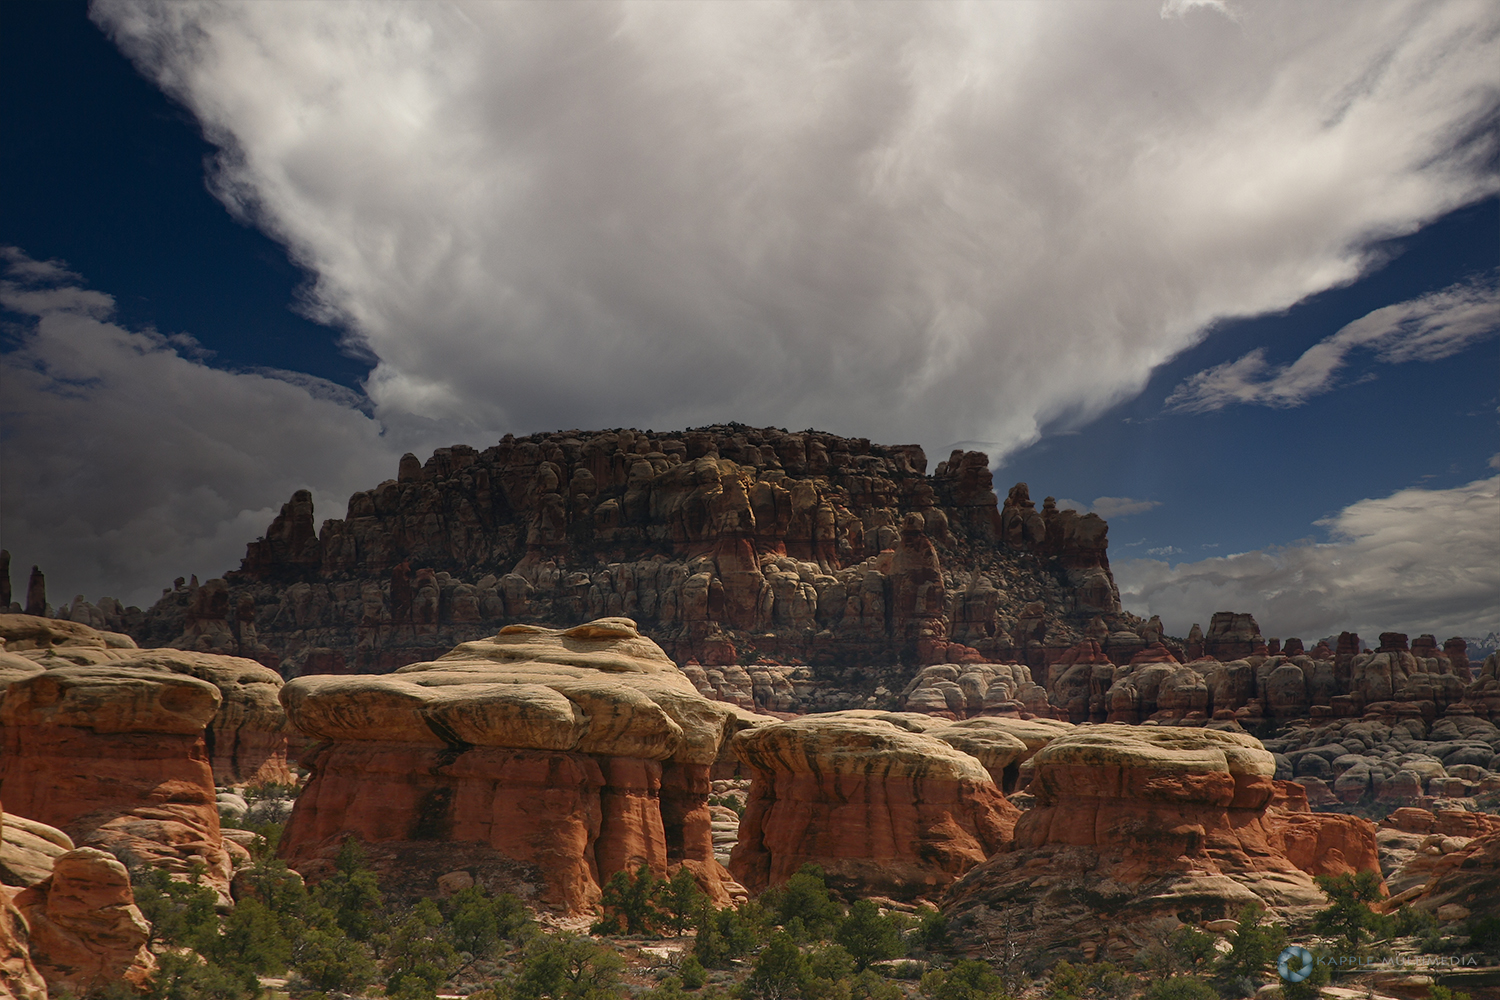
(725, 543)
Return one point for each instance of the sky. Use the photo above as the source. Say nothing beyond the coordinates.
(1225, 273)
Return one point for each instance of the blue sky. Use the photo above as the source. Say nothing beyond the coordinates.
(261, 247)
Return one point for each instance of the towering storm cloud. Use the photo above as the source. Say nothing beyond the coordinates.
(917, 221)
(935, 223)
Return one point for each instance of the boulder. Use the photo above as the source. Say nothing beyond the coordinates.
(86, 931)
(19, 978)
(569, 753)
(28, 850)
(883, 807)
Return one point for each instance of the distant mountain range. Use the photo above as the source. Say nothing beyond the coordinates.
(1480, 648)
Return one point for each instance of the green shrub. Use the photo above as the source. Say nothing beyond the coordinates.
(418, 954)
(331, 962)
(781, 971)
(1484, 935)
(870, 985)
(1253, 947)
(186, 977)
(1193, 949)
(1348, 914)
(352, 893)
(727, 934)
(630, 903)
(931, 934)
(481, 925)
(832, 962)
(254, 941)
(1412, 922)
(1436, 992)
(967, 980)
(1181, 988)
(679, 898)
(692, 973)
(868, 936)
(1310, 988)
(805, 898)
(1066, 982)
(181, 914)
(567, 967)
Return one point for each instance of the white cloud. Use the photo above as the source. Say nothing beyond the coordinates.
(1180, 8)
(1429, 328)
(128, 462)
(1112, 507)
(928, 222)
(1109, 507)
(1416, 561)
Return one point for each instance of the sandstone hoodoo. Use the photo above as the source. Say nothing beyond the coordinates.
(1135, 829)
(542, 759)
(800, 547)
(883, 802)
(246, 738)
(115, 756)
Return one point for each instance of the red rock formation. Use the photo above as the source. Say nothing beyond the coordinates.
(246, 739)
(572, 754)
(1231, 636)
(678, 531)
(1319, 843)
(1467, 880)
(86, 931)
(1457, 651)
(19, 978)
(1078, 681)
(1134, 828)
(881, 808)
(36, 594)
(115, 757)
(1448, 823)
(1392, 642)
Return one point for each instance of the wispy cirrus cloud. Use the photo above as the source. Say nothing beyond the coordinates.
(1429, 328)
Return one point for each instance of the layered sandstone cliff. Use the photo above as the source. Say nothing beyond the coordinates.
(552, 757)
(801, 547)
(886, 803)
